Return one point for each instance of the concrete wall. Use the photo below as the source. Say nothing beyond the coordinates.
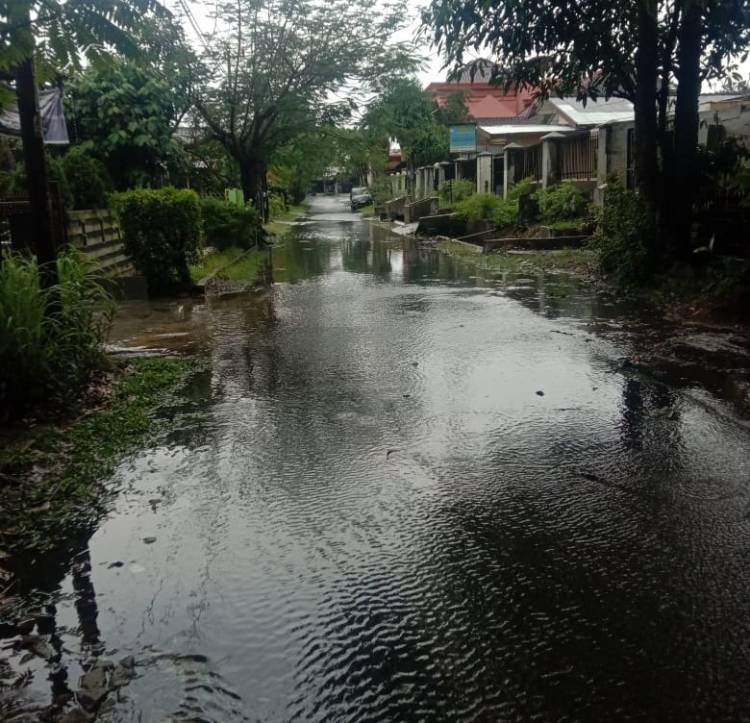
(734, 116)
(97, 234)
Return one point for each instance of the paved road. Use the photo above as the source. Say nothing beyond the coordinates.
(402, 493)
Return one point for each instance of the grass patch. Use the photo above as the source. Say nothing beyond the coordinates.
(579, 261)
(54, 475)
(232, 264)
(277, 225)
(719, 290)
(367, 211)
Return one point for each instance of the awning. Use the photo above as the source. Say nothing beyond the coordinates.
(53, 118)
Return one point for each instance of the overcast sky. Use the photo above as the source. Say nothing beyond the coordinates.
(430, 71)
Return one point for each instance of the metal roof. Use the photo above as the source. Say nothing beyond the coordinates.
(518, 129)
(594, 112)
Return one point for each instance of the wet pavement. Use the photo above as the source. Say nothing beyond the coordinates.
(401, 492)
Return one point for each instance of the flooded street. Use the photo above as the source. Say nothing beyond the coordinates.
(399, 492)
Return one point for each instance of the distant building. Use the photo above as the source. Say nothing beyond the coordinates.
(484, 101)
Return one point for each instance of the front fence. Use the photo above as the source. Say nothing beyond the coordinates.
(578, 157)
(95, 232)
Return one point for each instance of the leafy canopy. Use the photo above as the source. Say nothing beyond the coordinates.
(404, 111)
(124, 114)
(277, 68)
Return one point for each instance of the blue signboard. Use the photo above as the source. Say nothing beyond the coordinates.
(463, 138)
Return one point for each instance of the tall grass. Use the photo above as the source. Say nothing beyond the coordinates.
(49, 355)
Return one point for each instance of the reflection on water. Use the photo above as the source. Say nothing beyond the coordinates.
(402, 493)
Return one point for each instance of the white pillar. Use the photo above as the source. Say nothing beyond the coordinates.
(457, 169)
(549, 163)
(484, 173)
(602, 164)
(429, 181)
(507, 170)
(418, 184)
(440, 170)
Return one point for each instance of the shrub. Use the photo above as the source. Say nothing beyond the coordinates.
(82, 321)
(457, 190)
(524, 187)
(563, 202)
(225, 224)
(24, 356)
(276, 205)
(161, 233)
(43, 355)
(56, 175)
(87, 179)
(480, 207)
(623, 236)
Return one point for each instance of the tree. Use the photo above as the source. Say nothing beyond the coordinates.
(125, 114)
(404, 111)
(605, 48)
(271, 71)
(53, 35)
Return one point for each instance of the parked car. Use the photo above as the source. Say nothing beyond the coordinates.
(360, 199)
(357, 191)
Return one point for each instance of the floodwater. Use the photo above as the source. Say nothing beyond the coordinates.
(399, 492)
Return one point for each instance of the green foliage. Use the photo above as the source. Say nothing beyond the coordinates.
(404, 111)
(457, 190)
(579, 261)
(489, 207)
(231, 264)
(63, 34)
(87, 179)
(227, 225)
(455, 110)
(48, 355)
(382, 190)
(525, 187)
(56, 176)
(562, 202)
(124, 114)
(62, 465)
(624, 236)
(271, 71)
(276, 205)
(161, 232)
(480, 207)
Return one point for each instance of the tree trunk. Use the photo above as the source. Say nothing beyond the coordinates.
(37, 174)
(686, 125)
(645, 107)
(253, 177)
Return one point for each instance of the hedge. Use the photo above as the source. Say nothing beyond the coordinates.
(161, 233)
(226, 225)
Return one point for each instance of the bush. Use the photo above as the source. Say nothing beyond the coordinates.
(276, 205)
(161, 233)
(563, 202)
(225, 224)
(623, 236)
(525, 187)
(480, 207)
(457, 190)
(87, 179)
(48, 355)
(56, 175)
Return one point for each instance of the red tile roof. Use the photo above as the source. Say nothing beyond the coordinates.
(483, 100)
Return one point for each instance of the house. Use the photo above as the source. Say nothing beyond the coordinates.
(566, 139)
(484, 101)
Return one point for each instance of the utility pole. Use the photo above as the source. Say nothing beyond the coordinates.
(37, 172)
